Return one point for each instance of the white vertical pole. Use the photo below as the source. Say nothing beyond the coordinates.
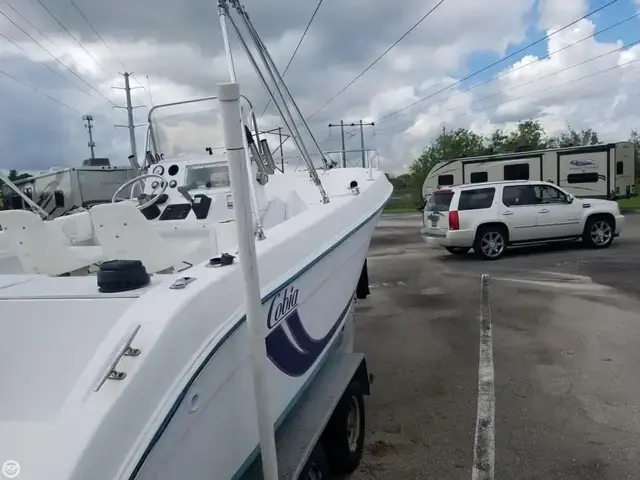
(229, 96)
(257, 227)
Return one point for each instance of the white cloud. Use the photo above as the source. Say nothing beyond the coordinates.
(181, 51)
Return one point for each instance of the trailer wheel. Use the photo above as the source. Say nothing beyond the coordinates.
(316, 467)
(343, 437)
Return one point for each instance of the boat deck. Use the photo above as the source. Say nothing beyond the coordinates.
(40, 287)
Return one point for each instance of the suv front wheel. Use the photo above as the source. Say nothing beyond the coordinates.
(598, 231)
(491, 242)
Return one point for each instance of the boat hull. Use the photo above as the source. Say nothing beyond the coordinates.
(213, 426)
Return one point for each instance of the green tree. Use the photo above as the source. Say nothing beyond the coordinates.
(574, 138)
(634, 137)
(448, 145)
(528, 135)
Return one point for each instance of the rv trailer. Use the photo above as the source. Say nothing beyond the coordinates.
(595, 171)
(59, 192)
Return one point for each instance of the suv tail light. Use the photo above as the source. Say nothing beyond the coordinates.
(454, 220)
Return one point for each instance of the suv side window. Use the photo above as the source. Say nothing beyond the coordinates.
(519, 196)
(476, 199)
(547, 194)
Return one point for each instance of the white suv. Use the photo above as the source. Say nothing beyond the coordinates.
(489, 217)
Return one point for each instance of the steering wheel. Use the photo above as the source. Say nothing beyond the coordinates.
(162, 186)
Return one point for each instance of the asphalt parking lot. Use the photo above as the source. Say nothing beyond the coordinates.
(566, 337)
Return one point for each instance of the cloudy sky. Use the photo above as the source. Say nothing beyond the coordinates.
(73, 51)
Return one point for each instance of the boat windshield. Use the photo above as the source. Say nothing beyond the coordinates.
(207, 176)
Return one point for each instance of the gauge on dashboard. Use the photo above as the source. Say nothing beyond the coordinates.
(158, 170)
(155, 184)
(173, 184)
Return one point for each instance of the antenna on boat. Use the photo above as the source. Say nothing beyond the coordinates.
(229, 97)
(275, 76)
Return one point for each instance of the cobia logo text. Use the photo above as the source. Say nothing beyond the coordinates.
(282, 305)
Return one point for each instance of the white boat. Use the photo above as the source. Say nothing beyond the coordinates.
(122, 375)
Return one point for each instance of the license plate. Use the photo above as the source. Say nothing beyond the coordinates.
(434, 223)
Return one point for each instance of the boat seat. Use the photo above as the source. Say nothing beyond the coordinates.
(42, 248)
(125, 234)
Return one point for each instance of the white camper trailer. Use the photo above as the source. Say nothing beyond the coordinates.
(595, 171)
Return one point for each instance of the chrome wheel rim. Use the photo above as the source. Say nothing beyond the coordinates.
(353, 424)
(601, 233)
(492, 244)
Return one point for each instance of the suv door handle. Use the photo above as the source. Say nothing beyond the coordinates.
(508, 212)
(544, 210)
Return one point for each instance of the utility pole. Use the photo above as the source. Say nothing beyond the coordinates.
(344, 155)
(130, 125)
(352, 124)
(89, 126)
(364, 157)
(281, 141)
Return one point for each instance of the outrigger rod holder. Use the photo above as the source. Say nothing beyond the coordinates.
(279, 94)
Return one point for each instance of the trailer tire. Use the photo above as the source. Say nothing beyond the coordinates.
(343, 437)
(316, 467)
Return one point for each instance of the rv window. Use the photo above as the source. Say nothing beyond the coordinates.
(479, 177)
(519, 171)
(619, 168)
(519, 195)
(439, 201)
(591, 177)
(476, 199)
(445, 180)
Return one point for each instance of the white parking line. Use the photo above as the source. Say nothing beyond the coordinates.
(484, 446)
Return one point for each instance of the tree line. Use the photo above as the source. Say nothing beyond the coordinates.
(463, 142)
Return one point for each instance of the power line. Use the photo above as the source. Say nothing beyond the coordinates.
(378, 59)
(537, 60)
(54, 57)
(584, 77)
(619, 49)
(74, 38)
(57, 73)
(2, 72)
(26, 20)
(80, 12)
(611, 2)
(296, 49)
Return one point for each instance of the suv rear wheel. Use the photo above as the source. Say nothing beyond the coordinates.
(491, 242)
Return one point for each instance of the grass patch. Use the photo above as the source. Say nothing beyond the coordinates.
(630, 204)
